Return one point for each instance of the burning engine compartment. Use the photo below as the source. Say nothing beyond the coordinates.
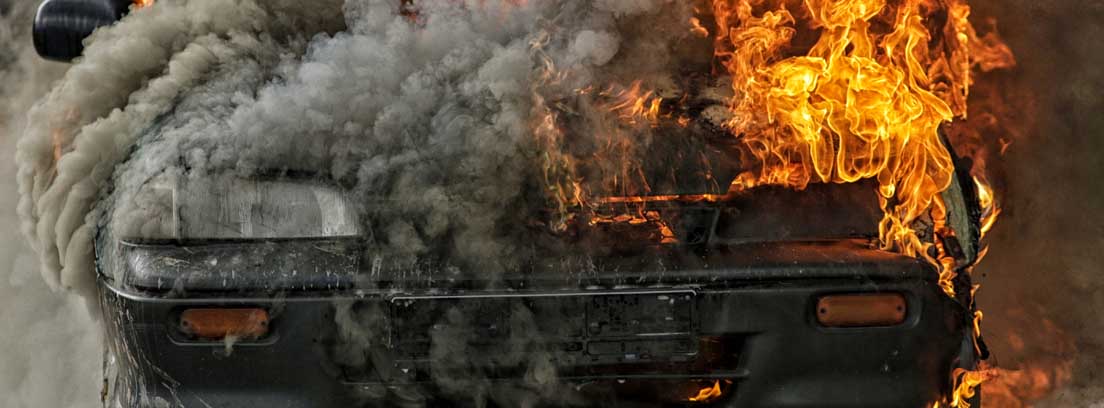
(622, 154)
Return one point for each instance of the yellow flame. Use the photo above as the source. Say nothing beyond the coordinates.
(865, 100)
(967, 383)
(634, 104)
(978, 316)
(708, 393)
(858, 105)
(989, 208)
(664, 234)
(697, 28)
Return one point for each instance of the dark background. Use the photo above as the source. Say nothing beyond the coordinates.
(1043, 280)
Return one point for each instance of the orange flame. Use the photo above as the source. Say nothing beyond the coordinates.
(989, 208)
(664, 234)
(866, 100)
(836, 91)
(861, 104)
(707, 393)
(966, 383)
(633, 104)
(697, 28)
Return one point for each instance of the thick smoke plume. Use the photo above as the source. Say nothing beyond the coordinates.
(427, 115)
(49, 343)
(130, 74)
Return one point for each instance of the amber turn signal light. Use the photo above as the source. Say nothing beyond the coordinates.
(861, 310)
(217, 324)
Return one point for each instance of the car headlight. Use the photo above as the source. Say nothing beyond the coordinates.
(232, 234)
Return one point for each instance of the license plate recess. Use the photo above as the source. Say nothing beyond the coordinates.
(591, 328)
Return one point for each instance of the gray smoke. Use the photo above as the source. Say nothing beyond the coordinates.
(430, 118)
(46, 339)
(130, 74)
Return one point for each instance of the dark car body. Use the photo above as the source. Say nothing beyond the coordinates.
(762, 314)
(737, 310)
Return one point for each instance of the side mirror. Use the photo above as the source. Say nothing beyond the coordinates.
(60, 26)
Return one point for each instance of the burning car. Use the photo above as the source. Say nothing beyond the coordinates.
(730, 269)
(244, 303)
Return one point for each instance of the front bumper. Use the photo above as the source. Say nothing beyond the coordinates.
(350, 349)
